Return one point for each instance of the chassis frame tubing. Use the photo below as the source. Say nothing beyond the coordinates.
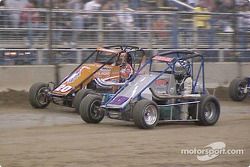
(197, 102)
(169, 66)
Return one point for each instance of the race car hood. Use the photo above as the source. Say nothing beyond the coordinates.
(76, 79)
(130, 91)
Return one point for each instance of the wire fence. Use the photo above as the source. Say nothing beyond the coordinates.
(25, 34)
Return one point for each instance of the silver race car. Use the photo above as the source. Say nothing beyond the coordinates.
(169, 87)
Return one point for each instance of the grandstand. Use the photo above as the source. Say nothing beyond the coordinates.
(147, 24)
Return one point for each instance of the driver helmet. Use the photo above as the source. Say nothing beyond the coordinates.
(182, 69)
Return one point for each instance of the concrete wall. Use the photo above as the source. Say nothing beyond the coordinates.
(22, 77)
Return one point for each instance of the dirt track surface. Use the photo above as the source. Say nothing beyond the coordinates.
(57, 136)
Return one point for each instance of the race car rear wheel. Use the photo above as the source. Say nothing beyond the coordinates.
(79, 96)
(38, 95)
(209, 110)
(90, 110)
(146, 114)
(237, 89)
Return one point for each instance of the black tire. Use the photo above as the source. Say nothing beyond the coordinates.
(91, 85)
(236, 91)
(89, 111)
(38, 95)
(79, 96)
(209, 110)
(140, 112)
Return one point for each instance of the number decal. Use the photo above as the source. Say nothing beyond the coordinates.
(63, 88)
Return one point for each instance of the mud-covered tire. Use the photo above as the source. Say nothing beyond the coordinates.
(146, 114)
(236, 91)
(90, 109)
(38, 97)
(209, 110)
(79, 96)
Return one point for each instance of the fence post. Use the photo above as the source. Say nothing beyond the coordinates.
(175, 31)
(100, 28)
(39, 56)
(221, 55)
(150, 35)
(52, 60)
(30, 33)
(50, 32)
(234, 40)
(78, 56)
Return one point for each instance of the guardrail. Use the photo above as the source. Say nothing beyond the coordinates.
(71, 31)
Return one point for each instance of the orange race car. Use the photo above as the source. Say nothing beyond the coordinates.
(113, 64)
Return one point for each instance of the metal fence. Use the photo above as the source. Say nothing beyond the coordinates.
(25, 35)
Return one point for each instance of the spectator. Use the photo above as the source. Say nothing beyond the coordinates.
(142, 19)
(134, 4)
(77, 20)
(192, 2)
(110, 20)
(126, 21)
(61, 21)
(3, 15)
(160, 24)
(110, 5)
(244, 25)
(39, 3)
(91, 6)
(126, 18)
(29, 19)
(201, 22)
(226, 20)
(14, 15)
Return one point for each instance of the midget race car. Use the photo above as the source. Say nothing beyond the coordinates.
(239, 88)
(169, 86)
(113, 63)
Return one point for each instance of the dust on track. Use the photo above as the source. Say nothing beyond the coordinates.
(57, 136)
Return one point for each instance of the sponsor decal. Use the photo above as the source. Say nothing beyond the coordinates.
(63, 88)
(161, 82)
(76, 74)
(161, 58)
(119, 100)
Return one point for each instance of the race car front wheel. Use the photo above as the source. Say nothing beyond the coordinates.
(38, 95)
(79, 96)
(146, 114)
(238, 89)
(209, 110)
(90, 110)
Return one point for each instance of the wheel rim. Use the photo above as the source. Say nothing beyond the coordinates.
(42, 96)
(95, 110)
(210, 111)
(150, 114)
(241, 88)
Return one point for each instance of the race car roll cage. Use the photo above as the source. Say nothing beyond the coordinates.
(116, 53)
(188, 55)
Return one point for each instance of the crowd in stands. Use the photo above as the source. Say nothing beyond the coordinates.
(127, 21)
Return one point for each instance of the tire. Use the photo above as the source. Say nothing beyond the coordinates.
(140, 114)
(209, 110)
(91, 85)
(38, 95)
(236, 89)
(89, 109)
(79, 96)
